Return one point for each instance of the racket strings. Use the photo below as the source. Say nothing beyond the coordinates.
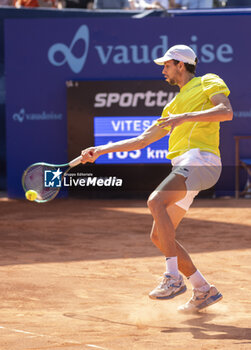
(34, 180)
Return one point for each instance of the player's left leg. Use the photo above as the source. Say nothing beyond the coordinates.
(204, 294)
(201, 299)
(201, 171)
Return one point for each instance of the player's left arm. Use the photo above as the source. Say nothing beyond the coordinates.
(222, 111)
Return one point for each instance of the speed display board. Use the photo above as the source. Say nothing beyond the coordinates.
(112, 129)
(101, 112)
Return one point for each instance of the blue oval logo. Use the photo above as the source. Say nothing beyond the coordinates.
(75, 63)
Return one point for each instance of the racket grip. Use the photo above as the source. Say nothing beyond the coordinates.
(75, 161)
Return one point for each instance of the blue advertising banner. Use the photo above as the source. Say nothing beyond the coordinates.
(42, 54)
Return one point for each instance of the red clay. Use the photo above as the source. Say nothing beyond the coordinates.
(76, 275)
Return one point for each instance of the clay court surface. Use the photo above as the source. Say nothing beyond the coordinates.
(75, 274)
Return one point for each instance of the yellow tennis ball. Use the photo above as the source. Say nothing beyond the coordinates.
(31, 195)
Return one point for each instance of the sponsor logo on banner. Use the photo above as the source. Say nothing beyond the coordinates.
(59, 53)
(242, 114)
(52, 178)
(19, 116)
(75, 63)
(128, 99)
(22, 115)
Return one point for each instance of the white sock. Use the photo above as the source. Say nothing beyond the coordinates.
(199, 282)
(172, 266)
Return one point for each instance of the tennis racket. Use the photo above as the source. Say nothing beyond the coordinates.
(34, 176)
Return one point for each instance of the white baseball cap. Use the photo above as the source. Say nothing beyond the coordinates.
(181, 53)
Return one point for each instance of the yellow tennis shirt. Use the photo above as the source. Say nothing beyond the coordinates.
(195, 96)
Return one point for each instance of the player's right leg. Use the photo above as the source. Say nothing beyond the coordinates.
(171, 190)
(167, 214)
(185, 264)
(170, 286)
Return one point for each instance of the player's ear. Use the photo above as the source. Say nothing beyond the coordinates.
(181, 65)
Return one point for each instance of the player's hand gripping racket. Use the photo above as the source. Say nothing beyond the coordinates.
(33, 178)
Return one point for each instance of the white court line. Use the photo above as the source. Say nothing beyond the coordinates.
(19, 331)
(49, 336)
(37, 334)
(95, 346)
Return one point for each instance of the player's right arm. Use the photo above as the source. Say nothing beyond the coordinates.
(150, 135)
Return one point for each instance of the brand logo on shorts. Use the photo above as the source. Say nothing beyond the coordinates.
(53, 178)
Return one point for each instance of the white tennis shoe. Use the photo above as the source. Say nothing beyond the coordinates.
(201, 300)
(168, 288)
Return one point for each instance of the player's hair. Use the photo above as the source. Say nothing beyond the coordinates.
(191, 68)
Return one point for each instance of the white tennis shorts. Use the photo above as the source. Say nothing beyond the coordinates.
(201, 170)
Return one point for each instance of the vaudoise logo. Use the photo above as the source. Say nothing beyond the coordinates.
(23, 115)
(75, 63)
(60, 54)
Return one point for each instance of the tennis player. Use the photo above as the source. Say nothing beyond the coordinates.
(192, 119)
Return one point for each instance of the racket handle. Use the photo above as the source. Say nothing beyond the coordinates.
(75, 161)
